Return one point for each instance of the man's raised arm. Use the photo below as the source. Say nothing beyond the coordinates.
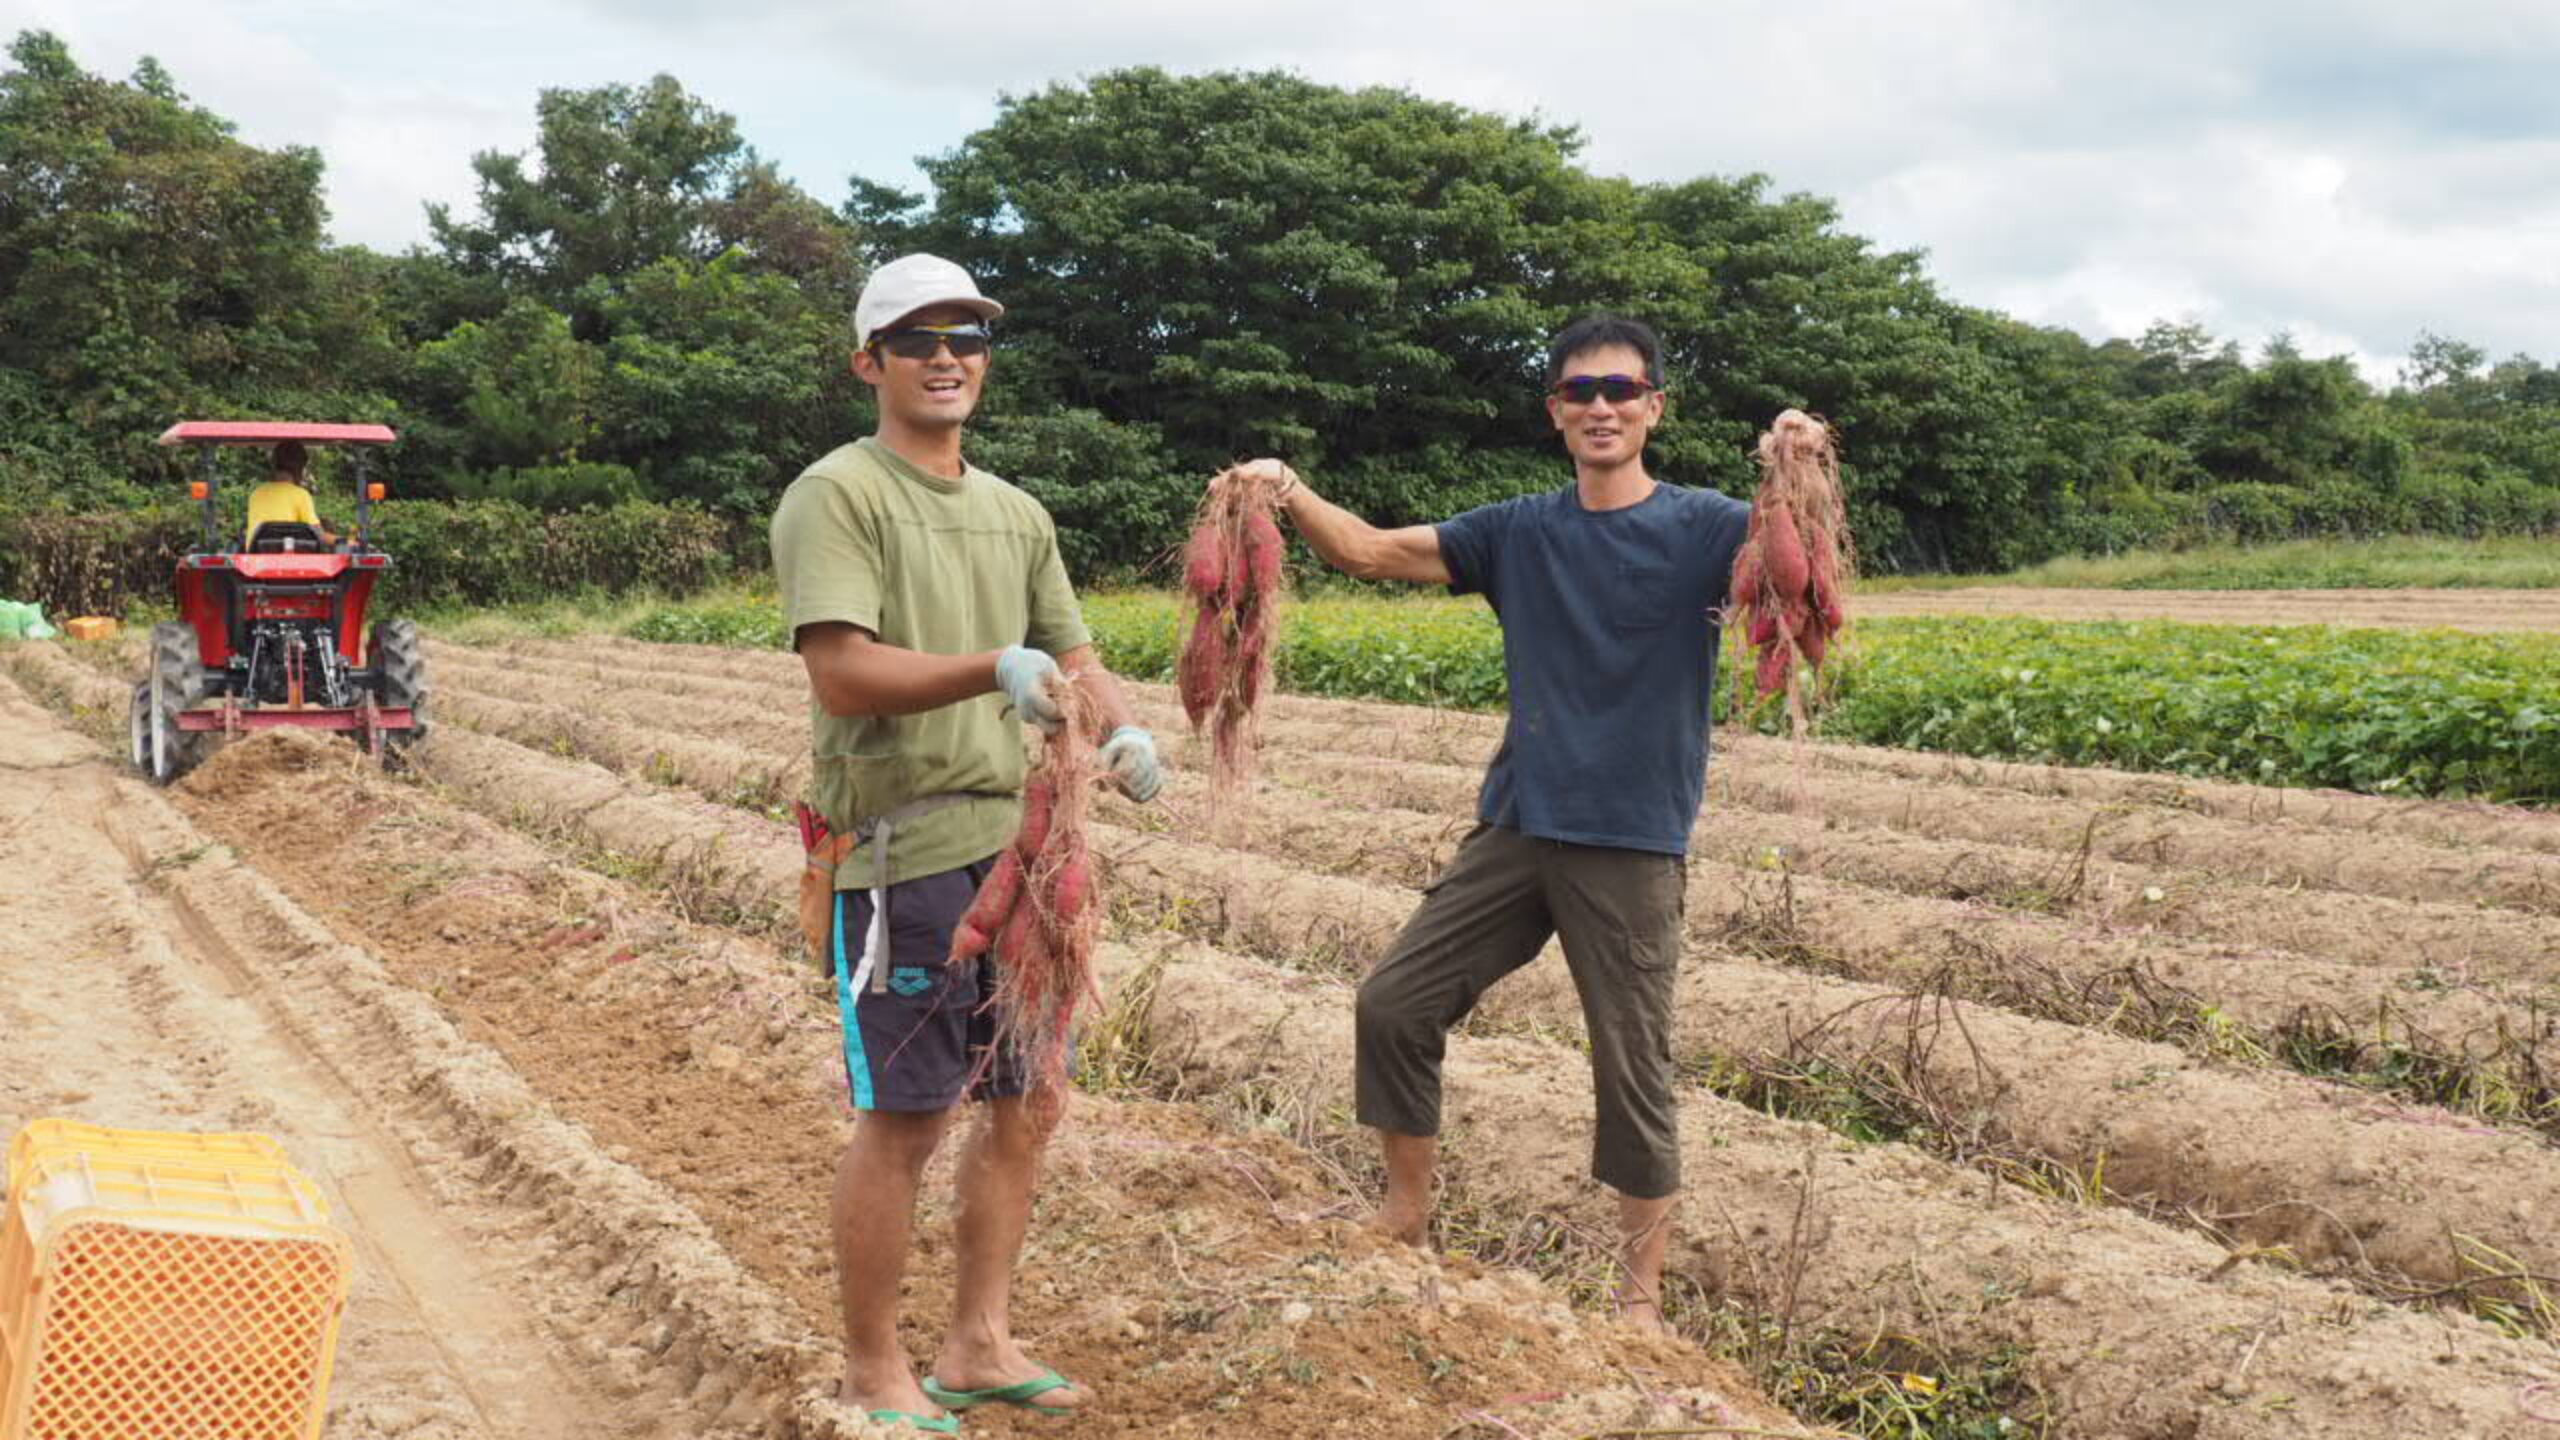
(1353, 545)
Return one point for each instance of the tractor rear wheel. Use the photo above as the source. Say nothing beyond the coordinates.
(177, 682)
(399, 655)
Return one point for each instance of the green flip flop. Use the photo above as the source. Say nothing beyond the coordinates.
(933, 1424)
(1025, 1393)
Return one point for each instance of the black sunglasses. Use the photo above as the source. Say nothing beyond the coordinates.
(918, 342)
(1619, 389)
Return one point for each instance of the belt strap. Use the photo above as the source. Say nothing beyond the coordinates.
(876, 833)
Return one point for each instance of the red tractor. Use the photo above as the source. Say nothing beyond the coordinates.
(273, 632)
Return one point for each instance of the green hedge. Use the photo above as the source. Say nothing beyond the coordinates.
(473, 552)
(2384, 711)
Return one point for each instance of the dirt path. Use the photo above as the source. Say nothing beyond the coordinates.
(118, 1015)
(2483, 610)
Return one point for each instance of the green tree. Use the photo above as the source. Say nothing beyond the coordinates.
(1254, 263)
(721, 382)
(627, 176)
(518, 390)
(152, 264)
(1796, 312)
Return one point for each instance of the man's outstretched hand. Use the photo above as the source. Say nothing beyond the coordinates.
(1130, 754)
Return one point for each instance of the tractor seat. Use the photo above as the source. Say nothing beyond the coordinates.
(285, 537)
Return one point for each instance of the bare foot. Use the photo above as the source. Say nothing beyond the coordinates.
(1644, 1314)
(903, 1393)
(1409, 1226)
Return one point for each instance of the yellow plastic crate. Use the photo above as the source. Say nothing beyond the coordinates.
(161, 1286)
(241, 1151)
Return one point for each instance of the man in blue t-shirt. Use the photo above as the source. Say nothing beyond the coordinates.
(1607, 590)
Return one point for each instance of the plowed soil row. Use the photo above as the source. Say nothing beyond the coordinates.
(1890, 1240)
(1466, 738)
(706, 1060)
(744, 750)
(2019, 960)
(2262, 853)
(2130, 1330)
(2425, 942)
(2248, 1152)
(512, 1280)
(2490, 611)
(1763, 777)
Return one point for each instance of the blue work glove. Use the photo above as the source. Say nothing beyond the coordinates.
(1022, 673)
(1131, 755)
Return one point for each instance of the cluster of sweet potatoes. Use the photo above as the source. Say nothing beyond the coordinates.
(1791, 577)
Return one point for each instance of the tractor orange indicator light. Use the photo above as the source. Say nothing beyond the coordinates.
(374, 491)
(197, 490)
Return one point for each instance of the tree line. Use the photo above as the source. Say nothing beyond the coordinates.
(1198, 267)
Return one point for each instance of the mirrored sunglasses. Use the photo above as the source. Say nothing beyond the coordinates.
(918, 342)
(1617, 389)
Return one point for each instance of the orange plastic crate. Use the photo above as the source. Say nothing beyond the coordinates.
(161, 1286)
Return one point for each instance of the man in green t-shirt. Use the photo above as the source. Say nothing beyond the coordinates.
(930, 607)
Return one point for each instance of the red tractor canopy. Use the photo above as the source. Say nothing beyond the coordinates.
(272, 630)
(273, 432)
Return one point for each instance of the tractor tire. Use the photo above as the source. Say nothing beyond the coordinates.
(399, 655)
(177, 682)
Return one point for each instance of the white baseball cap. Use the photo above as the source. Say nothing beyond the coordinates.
(909, 284)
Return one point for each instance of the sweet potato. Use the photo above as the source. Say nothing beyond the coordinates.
(1070, 888)
(1253, 663)
(986, 914)
(1745, 585)
(1826, 603)
(1024, 945)
(1039, 800)
(1782, 551)
(1201, 668)
(1773, 670)
(1264, 553)
(1204, 574)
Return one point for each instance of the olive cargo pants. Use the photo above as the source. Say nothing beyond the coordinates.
(1489, 913)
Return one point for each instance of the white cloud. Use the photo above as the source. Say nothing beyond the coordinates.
(2351, 172)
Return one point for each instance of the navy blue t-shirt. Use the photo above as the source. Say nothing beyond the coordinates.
(1609, 641)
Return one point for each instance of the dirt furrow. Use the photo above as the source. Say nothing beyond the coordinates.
(2129, 1330)
(1467, 739)
(1764, 778)
(757, 779)
(706, 1060)
(674, 699)
(447, 1150)
(2489, 611)
(2432, 943)
(2269, 853)
(1924, 1231)
(2331, 1171)
(2260, 1003)
(2356, 1197)
(91, 701)
(2421, 942)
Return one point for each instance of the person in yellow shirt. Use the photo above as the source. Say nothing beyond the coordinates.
(285, 496)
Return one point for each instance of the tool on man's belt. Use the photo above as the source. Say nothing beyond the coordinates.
(826, 851)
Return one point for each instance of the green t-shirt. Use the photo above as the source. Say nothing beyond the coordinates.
(947, 567)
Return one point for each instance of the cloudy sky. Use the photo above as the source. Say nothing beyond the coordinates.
(2350, 172)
